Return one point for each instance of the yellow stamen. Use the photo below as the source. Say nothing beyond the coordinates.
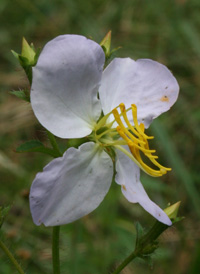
(124, 129)
(128, 141)
(149, 170)
(134, 113)
(137, 140)
(123, 112)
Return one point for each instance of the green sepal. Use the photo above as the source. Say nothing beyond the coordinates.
(21, 94)
(150, 248)
(76, 142)
(139, 232)
(3, 213)
(111, 153)
(37, 53)
(114, 50)
(24, 62)
(15, 54)
(177, 219)
(147, 243)
(147, 249)
(36, 146)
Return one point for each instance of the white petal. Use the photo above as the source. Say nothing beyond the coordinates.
(65, 85)
(72, 186)
(146, 83)
(128, 176)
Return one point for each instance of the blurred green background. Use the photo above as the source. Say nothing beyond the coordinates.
(166, 31)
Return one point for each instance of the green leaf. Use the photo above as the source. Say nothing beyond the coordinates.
(30, 146)
(21, 94)
(36, 146)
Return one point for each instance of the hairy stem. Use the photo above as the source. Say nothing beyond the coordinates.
(11, 257)
(145, 245)
(131, 257)
(54, 144)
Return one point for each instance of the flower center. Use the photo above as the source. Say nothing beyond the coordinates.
(132, 135)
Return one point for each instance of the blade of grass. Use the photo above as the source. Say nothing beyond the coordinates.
(177, 164)
(191, 34)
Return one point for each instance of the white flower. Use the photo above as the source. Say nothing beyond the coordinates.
(72, 97)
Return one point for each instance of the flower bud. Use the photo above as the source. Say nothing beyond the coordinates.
(172, 211)
(27, 58)
(28, 52)
(105, 44)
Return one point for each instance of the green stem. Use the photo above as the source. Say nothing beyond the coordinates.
(157, 229)
(11, 257)
(56, 229)
(55, 250)
(143, 245)
(131, 257)
(54, 144)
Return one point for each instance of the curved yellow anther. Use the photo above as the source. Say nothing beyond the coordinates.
(124, 115)
(137, 140)
(124, 129)
(134, 113)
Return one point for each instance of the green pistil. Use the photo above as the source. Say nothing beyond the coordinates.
(101, 131)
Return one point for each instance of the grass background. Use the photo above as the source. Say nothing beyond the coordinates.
(167, 31)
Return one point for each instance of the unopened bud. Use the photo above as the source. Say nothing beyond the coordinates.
(106, 43)
(172, 211)
(28, 52)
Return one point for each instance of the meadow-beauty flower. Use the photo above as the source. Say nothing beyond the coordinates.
(73, 97)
